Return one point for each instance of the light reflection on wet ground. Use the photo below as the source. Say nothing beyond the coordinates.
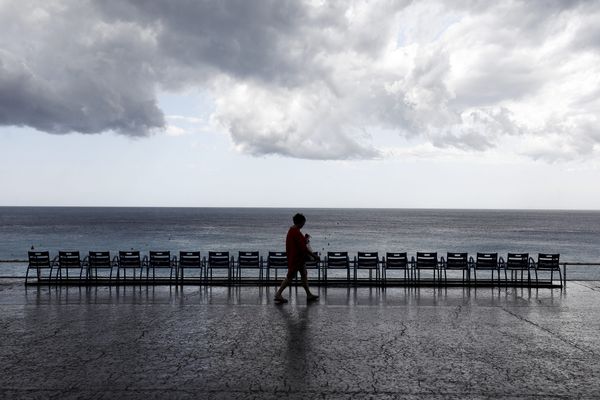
(219, 342)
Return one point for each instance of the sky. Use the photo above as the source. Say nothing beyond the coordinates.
(275, 103)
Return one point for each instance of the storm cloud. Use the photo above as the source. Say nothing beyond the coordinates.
(317, 80)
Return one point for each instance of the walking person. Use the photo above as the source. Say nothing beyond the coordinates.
(297, 253)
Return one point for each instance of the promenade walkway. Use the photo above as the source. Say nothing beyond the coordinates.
(160, 342)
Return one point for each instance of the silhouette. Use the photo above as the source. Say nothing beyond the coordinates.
(297, 253)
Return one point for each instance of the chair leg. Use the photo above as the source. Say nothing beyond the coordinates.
(560, 277)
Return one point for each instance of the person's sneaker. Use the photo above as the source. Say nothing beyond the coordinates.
(280, 300)
(312, 297)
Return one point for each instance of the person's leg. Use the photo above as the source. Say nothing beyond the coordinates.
(304, 279)
(285, 283)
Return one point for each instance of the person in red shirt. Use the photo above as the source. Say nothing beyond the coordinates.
(297, 254)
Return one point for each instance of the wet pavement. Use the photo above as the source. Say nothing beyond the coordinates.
(198, 342)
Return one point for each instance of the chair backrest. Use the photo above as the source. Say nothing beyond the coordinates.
(338, 259)
(99, 259)
(190, 259)
(218, 259)
(517, 260)
(396, 260)
(39, 259)
(367, 259)
(548, 261)
(277, 259)
(130, 259)
(69, 259)
(486, 260)
(457, 260)
(427, 260)
(249, 259)
(160, 259)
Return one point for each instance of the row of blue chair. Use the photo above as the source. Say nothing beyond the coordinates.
(135, 263)
(513, 263)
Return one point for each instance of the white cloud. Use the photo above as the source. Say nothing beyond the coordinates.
(173, 130)
(314, 80)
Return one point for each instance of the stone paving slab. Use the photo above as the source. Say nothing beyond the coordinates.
(196, 342)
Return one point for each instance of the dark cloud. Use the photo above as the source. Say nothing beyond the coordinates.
(245, 39)
(63, 70)
(309, 80)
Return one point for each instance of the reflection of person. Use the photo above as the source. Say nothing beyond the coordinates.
(297, 254)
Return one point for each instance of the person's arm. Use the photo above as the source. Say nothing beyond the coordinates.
(302, 245)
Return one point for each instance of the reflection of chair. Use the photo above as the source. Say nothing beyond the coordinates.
(427, 261)
(337, 260)
(161, 260)
(189, 260)
(517, 262)
(456, 262)
(397, 261)
(249, 260)
(218, 260)
(129, 260)
(548, 262)
(69, 260)
(99, 260)
(276, 260)
(39, 260)
(368, 261)
(487, 262)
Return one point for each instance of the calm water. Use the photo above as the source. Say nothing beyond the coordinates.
(574, 234)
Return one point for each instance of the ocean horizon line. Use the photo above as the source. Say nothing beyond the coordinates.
(299, 208)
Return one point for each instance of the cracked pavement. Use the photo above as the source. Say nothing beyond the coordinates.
(198, 342)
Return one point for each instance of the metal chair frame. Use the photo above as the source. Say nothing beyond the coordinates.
(397, 261)
(516, 262)
(456, 262)
(487, 262)
(368, 260)
(161, 260)
(337, 260)
(315, 264)
(249, 260)
(189, 260)
(276, 260)
(548, 262)
(98, 260)
(39, 260)
(130, 260)
(427, 261)
(69, 260)
(219, 260)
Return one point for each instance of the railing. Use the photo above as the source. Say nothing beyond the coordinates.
(565, 264)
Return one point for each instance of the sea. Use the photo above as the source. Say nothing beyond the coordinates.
(573, 234)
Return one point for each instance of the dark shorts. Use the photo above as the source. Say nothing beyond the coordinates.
(293, 269)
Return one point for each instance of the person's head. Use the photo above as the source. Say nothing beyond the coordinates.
(299, 220)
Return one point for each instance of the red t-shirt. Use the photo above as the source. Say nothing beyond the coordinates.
(295, 246)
